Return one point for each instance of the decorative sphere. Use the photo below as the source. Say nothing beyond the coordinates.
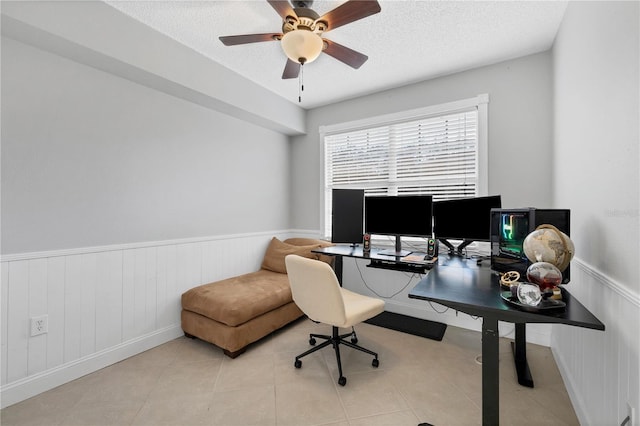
(544, 274)
(548, 244)
(529, 294)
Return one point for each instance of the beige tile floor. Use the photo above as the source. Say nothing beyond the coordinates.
(190, 382)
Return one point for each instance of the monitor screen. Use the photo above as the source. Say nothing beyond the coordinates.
(347, 215)
(406, 215)
(464, 218)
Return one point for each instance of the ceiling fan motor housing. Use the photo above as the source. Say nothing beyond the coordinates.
(307, 19)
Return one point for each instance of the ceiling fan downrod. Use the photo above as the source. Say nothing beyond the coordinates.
(302, 3)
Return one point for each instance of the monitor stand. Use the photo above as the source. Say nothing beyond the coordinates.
(398, 252)
(455, 251)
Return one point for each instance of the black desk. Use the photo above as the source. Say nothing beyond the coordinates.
(475, 290)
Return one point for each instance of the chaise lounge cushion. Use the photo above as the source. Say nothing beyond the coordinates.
(238, 299)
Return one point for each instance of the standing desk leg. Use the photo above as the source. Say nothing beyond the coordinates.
(490, 372)
(337, 268)
(519, 348)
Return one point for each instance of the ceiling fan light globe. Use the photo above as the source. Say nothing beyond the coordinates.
(302, 46)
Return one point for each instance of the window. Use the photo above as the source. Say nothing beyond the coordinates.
(438, 151)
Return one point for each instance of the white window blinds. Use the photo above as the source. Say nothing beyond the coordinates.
(436, 154)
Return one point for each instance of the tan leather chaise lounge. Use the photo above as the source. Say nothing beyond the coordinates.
(238, 311)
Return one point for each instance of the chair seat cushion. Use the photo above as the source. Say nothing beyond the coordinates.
(236, 300)
(359, 308)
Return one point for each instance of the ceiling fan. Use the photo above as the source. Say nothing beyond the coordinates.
(302, 30)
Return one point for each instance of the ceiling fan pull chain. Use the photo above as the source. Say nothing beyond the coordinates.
(301, 83)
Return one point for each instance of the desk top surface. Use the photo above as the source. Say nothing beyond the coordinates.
(464, 285)
(475, 289)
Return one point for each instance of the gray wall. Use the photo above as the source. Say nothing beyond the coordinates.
(91, 159)
(596, 69)
(520, 131)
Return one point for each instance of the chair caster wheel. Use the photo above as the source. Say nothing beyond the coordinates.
(342, 381)
(354, 340)
(298, 363)
(312, 341)
(375, 363)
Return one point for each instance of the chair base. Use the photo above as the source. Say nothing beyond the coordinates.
(336, 340)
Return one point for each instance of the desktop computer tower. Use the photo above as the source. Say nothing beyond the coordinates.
(509, 228)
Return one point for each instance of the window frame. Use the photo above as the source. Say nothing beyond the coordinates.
(479, 102)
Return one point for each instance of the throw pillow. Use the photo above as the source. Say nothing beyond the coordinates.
(278, 250)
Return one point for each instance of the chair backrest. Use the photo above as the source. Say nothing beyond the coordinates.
(316, 290)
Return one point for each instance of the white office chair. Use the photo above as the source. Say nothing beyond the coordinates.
(317, 292)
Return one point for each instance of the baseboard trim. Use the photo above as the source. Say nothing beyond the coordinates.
(576, 400)
(33, 385)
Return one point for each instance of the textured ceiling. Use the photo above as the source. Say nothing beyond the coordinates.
(408, 41)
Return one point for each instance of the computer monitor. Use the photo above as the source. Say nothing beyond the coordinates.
(402, 215)
(466, 219)
(347, 216)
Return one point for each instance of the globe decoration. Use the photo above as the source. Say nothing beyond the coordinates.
(544, 274)
(548, 244)
(529, 294)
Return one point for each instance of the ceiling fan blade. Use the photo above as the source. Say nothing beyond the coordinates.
(291, 69)
(348, 12)
(249, 38)
(348, 56)
(283, 8)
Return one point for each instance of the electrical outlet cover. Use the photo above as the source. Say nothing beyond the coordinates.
(39, 325)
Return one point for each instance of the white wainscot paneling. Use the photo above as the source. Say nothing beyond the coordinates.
(104, 304)
(601, 370)
(37, 294)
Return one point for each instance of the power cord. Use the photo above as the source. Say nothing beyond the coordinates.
(508, 333)
(379, 295)
(397, 292)
(475, 317)
(437, 311)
